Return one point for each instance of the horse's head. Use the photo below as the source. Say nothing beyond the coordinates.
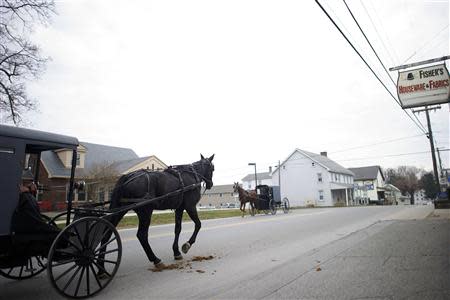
(205, 168)
(236, 187)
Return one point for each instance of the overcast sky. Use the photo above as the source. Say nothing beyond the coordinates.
(248, 80)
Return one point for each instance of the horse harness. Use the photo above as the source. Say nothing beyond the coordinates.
(176, 171)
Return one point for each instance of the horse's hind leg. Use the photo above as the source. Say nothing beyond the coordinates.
(114, 219)
(178, 220)
(145, 215)
(192, 212)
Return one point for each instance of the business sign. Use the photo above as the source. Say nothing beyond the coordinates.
(424, 86)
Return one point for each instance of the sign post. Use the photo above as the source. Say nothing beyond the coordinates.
(424, 86)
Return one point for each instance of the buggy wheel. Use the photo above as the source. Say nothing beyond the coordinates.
(84, 257)
(272, 207)
(285, 205)
(33, 266)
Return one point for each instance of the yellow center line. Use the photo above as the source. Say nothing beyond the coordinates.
(273, 219)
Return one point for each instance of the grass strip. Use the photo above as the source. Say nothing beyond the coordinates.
(169, 218)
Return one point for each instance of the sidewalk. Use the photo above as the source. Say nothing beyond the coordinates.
(399, 259)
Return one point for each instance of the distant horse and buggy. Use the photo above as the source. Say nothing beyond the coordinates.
(265, 198)
(82, 258)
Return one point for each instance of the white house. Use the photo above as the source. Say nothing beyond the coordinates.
(313, 179)
(420, 198)
(248, 182)
(369, 185)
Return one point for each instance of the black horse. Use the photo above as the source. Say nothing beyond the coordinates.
(144, 184)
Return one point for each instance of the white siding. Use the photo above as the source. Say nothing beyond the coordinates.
(250, 185)
(299, 181)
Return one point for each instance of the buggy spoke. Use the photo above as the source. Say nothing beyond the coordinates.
(78, 236)
(104, 246)
(10, 270)
(95, 276)
(105, 260)
(65, 272)
(102, 269)
(107, 252)
(40, 263)
(79, 282)
(103, 236)
(64, 262)
(71, 279)
(21, 270)
(88, 286)
(31, 266)
(93, 234)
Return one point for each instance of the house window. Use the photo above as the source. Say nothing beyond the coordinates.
(313, 164)
(335, 177)
(78, 159)
(319, 177)
(220, 194)
(153, 167)
(110, 191)
(81, 196)
(320, 195)
(249, 186)
(101, 194)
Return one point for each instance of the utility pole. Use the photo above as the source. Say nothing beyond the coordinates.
(430, 138)
(440, 162)
(279, 176)
(256, 178)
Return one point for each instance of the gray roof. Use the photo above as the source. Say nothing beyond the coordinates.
(331, 165)
(95, 154)
(122, 166)
(218, 189)
(366, 173)
(260, 176)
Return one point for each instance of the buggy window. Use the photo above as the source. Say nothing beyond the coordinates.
(7, 150)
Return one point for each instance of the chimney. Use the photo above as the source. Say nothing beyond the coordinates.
(270, 169)
(324, 153)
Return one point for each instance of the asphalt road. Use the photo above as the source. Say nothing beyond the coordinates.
(253, 257)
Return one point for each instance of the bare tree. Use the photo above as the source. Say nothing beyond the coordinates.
(406, 178)
(101, 176)
(20, 59)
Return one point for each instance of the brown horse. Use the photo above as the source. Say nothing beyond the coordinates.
(244, 197)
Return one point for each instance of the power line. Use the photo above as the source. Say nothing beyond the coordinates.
(370, 68)
(376, 144)
(384, 30)
(376, 30)
(425, 44)
(376, 54)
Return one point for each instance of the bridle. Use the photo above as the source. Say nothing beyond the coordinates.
(207, 181)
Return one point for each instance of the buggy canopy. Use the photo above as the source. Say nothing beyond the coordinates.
(15, 142)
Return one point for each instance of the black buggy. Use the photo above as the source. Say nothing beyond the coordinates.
(77, 263)
(269, 200)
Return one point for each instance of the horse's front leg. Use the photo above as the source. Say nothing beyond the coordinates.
(145, 216)
(192, 212)
(178, 220)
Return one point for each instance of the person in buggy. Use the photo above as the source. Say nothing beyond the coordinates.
(27, 218)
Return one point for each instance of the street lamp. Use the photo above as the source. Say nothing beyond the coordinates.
(256, 179)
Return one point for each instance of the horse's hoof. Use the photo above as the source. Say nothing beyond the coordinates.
(185, 248)
(178, 257)
(159, 265)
